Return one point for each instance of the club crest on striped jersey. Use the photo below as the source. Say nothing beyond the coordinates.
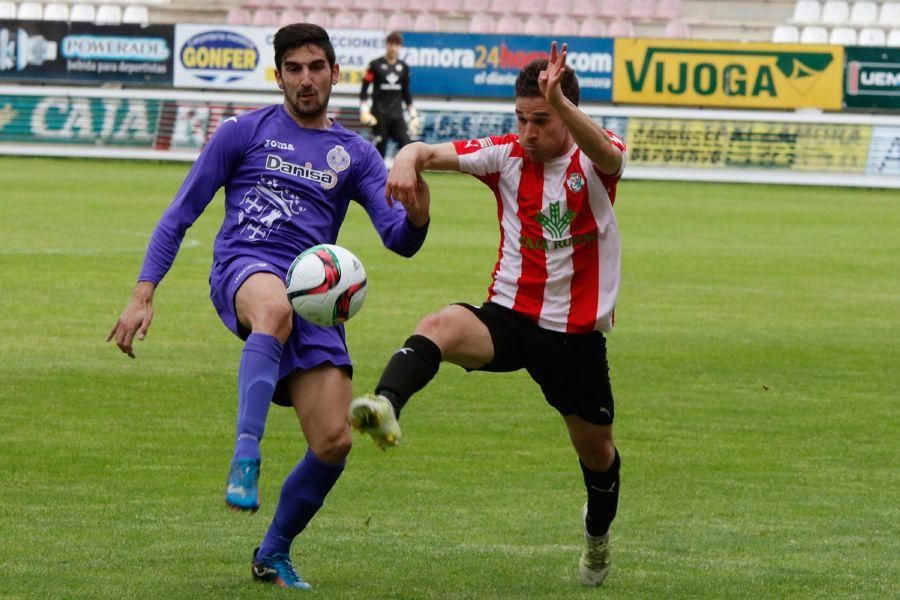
(575, 182)
(338, 159)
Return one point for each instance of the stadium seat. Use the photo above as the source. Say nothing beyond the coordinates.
(291, 15)
(677, 30)
(82, 13)
(137, 14)
(592, 27)
(863, 14)
(581, 9)
(836, 12)
(613, 8)
(893, 39)
(619, 29)
(481, 23)
(807, 12)
(528, 8)
(889, 15)
(555, 8)
(399, 21)
(30, 11)
(871, 36)
(502, 7)
(426, 21)
(108, 14)
(56, 11)
(508, 24)
(536, 25)
(323, 19)
(264, 17)
(669, 9)
(786, 34)
(345, 20)
(372, 20)
(360, 5)
(476, 7)
(842, 36)
(641, 10)
(238, 16)
(7, 10)
(813, 34)
(447, 7)
(563, 26)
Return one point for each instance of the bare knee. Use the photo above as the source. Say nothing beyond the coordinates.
(334, 446)
(599, 455)
(459, 334)
(431, 325)
(274, 318)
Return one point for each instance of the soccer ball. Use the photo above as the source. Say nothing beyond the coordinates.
(326, 284)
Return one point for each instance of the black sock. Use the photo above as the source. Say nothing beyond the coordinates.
(409, 370)
(603, 497)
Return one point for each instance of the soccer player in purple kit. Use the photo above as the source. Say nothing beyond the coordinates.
(289, 173)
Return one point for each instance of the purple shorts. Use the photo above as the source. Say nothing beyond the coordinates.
(309, 345)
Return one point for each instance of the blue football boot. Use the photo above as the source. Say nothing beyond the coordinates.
(242, 490)
(277, 569)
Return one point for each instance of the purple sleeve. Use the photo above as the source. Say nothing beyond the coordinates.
(397, 233)
(210, 172)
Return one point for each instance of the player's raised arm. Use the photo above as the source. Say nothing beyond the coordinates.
(588, 135)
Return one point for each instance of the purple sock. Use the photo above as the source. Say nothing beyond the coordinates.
(302, 494)
(257, 377)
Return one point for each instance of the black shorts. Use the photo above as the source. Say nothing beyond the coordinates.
(571, 368)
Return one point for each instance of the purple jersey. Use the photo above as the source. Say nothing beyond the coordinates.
(286, 188)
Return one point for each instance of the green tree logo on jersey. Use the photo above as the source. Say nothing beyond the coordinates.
(555, 224)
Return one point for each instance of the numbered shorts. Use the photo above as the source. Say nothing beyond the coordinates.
(309, 345)
(570, 368)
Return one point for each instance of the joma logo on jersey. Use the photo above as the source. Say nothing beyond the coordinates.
(326, 178)
(740, 73)
(279, 145)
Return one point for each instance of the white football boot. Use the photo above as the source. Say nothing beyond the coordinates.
(594, 564)
(375, 415)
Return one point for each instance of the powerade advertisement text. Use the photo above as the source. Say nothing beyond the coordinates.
(55, 51)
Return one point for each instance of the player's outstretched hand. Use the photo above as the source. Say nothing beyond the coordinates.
(549, 80)
(418, 212)
(135, 319)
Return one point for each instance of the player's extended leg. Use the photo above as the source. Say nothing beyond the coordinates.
(599, 461)
(452, 334)
(320, 397)
(261, 307)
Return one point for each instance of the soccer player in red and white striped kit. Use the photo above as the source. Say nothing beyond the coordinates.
(553, 288)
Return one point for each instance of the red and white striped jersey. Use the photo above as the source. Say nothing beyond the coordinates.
(560, 255)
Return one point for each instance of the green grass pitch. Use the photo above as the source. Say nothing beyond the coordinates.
(755, 363)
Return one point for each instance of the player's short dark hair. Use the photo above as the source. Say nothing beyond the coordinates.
(527, 81)
(394, 37)
(296, 35)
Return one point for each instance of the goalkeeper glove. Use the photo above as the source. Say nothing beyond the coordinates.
(414, 124)
(366, 117)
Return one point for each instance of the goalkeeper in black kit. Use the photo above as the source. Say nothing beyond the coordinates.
(389, 77)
